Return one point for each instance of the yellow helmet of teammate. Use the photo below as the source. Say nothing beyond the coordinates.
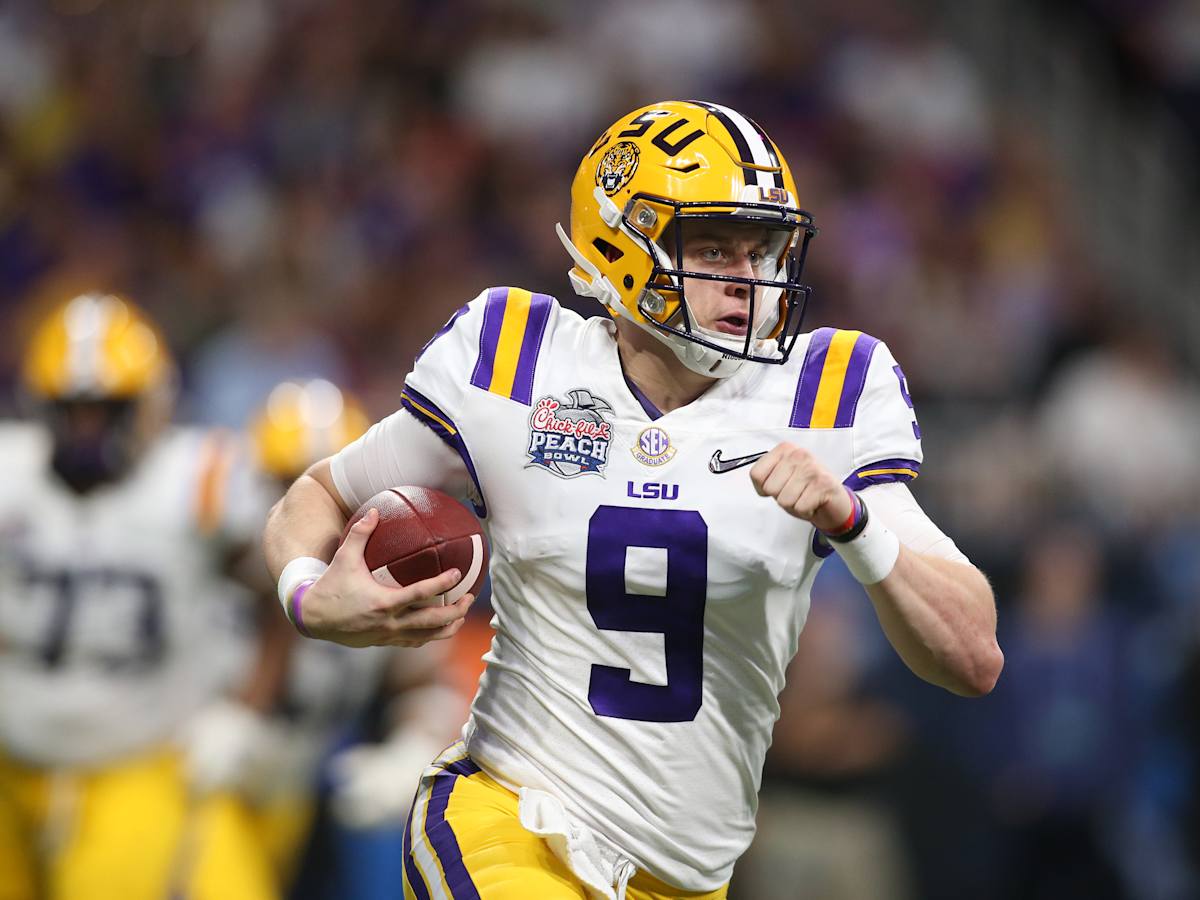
(658, 168)
(302, 422)
(96, 346)
(101, 374)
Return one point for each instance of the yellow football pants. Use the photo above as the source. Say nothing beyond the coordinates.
(282, 825)
(125, 832)
(464, 840)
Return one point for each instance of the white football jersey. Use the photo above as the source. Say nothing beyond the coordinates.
(109, 616)
(646, 606)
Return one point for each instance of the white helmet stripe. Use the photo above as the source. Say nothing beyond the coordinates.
(87, 319)
(761, 153)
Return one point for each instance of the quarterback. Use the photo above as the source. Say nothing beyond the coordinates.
(659, 488)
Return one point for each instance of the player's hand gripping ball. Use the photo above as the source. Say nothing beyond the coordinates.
(422, 533)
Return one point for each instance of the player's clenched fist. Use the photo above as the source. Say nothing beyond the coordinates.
(803, 487)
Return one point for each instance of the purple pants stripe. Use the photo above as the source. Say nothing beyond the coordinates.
(856, 379)
(441, 835)
(464, 766)
(531, 345)
(810, 377)
(489, 336)
(411, 873)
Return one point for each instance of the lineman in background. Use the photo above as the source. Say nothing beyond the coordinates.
(120, 749)
(329, 687)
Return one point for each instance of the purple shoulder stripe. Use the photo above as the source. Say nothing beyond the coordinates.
(810, 377)
(531, 346)
(856, 379)
(489, 336)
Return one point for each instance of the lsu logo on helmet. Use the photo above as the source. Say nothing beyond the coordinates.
(673, 162)
(617, 166)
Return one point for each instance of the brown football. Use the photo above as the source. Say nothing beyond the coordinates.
(422, 533)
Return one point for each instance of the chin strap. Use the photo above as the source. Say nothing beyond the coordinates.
(599, 288)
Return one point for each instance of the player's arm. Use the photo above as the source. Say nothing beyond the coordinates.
(231, 498)
(307, 521)
(938, 613)
(264, 680)
(340, 600)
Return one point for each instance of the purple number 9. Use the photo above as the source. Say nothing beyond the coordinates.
(679, 616)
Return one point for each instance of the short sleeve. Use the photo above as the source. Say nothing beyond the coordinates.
(401, 450)
(886, 437)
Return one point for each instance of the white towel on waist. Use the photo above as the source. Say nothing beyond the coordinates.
(603, 871)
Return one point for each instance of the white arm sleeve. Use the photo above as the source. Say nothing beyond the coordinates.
(398, 450)
(897, 508)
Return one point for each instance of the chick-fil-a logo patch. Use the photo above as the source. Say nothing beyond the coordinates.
(570, 437)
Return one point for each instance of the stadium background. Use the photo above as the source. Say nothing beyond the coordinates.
(1006, 194)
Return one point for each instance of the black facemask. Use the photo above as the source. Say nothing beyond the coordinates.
(93, 441)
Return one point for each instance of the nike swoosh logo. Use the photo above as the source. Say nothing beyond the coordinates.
(718, 466)
(683, 170)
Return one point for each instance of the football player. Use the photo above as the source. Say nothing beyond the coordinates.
(328, 686)
(120, 744)
(659, 489)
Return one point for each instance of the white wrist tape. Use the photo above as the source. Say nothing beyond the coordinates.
(302, 568)
(872, 555)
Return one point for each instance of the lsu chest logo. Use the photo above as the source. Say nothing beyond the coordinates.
(570, 437)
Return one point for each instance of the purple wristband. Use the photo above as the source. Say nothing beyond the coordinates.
(294, 605)
(858, 523)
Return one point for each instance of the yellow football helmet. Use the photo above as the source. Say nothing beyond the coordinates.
(675, 162)
(101, 374)
(96, 346)
(302, 422)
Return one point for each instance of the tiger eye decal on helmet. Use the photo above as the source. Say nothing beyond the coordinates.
(617, 166)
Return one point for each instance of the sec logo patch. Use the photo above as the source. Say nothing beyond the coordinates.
(653, 447)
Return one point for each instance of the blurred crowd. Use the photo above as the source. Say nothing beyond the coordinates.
(306, 188)
(1157, 43)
